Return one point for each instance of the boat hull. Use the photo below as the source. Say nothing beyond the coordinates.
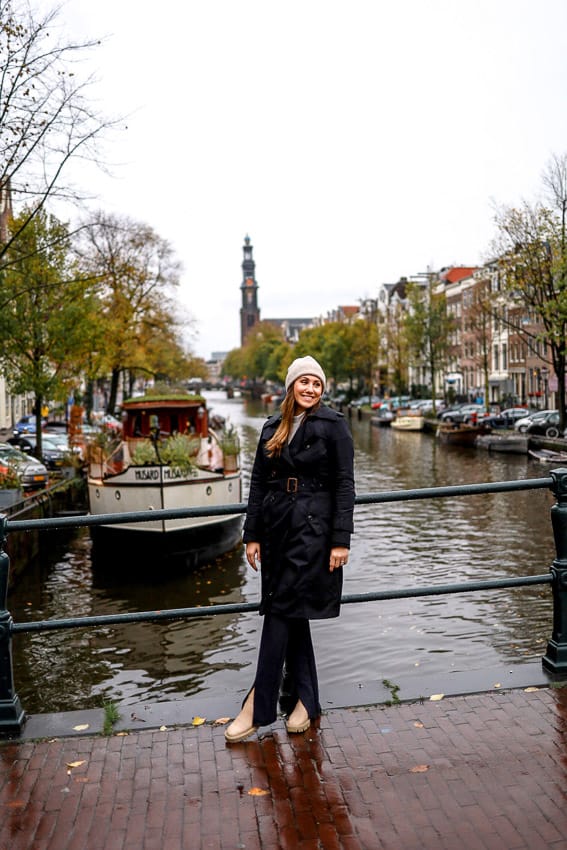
(152, 488)
(408, 423)
(461, 435)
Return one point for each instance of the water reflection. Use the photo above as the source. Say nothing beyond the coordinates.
(395, 545)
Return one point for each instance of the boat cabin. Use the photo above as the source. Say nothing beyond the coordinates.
(148, 416)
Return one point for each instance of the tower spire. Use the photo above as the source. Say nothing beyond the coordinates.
(249, 312)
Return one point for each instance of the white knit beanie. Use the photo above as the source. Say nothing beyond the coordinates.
(304, 366)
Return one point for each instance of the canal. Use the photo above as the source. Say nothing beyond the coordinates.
(395, 545)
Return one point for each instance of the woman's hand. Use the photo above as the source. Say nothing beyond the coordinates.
(253, 555)
(339, 557)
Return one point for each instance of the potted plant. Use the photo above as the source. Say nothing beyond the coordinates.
(229, 442)
(10, 487)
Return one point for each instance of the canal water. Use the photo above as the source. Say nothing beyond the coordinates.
(396, 545)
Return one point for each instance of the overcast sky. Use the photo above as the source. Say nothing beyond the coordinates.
(354, 141)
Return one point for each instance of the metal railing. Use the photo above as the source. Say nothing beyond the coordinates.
(12, 714)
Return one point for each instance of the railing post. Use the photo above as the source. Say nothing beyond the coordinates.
(11, 712)
(555, 658)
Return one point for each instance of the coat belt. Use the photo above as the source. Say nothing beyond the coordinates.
(293, 484)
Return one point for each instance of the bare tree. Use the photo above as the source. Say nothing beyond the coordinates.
(46, 117)
(531, 252)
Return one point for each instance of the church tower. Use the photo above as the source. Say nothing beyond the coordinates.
(249, 312)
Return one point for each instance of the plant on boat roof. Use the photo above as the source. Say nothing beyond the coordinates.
(229, 440)
(163, 394)
(144, 454)
(178, 450)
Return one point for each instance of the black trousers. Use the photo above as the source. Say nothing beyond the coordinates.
(285, 640)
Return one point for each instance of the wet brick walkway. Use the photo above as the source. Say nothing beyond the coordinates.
(482, 772)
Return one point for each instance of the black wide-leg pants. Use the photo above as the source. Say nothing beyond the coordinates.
(285, 640)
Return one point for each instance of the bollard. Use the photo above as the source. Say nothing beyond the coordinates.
(555, 658)
(11, 712)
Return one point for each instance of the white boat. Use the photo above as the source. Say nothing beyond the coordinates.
(408, 420)
(145, 472)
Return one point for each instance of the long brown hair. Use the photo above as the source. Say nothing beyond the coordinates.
(276, 443)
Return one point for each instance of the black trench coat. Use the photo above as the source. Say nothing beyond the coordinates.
(300, 506)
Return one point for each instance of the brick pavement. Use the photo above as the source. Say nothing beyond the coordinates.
(481, 772)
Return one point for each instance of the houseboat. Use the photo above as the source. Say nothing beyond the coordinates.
(408, 419)
(169, 455)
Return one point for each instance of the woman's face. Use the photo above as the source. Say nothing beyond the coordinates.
(307, 392)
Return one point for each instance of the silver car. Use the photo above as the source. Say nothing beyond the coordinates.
(32, 474)
(521, 425)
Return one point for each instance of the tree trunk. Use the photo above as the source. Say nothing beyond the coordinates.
(113, 395)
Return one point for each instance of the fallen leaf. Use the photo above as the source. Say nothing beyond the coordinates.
(121, 734)
(221, 721)
(419, 768)
(75, 763)
(497, 685)
(163, 728)
(198, 721)
(81, 727)
(258, 792)
(436, 697)
(530, 690)
(418, 724)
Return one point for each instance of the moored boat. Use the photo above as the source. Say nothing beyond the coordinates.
(408, 420)
(462, 434)
(169, 456)
(510, 443)
(548, 455)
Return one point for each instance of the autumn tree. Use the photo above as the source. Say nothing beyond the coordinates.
(428, 329)
(479, 306)
(531, 251)
(48, 315)
(46, 116)
(259, 348)
(396, 349)
(136, 273)
(329, 345)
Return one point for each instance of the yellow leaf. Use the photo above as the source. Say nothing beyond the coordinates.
(530, 690)
(121, 734)
(258, 792)
(436, 697)
(497, 685)
(163, 728)
(419, 768)
(81, 727)
(220, 721)
(418, 724)
(198, 721)
(75, 763)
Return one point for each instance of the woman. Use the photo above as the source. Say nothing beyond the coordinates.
(298, 526)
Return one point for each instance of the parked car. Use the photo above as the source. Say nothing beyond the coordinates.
(32, 473)
(25, 425)
(521, 425)
(462, 413)
(54, 454)
(513, 414)
(366, 400)
(547, 425)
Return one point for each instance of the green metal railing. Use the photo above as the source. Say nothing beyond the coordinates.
(12, 714)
